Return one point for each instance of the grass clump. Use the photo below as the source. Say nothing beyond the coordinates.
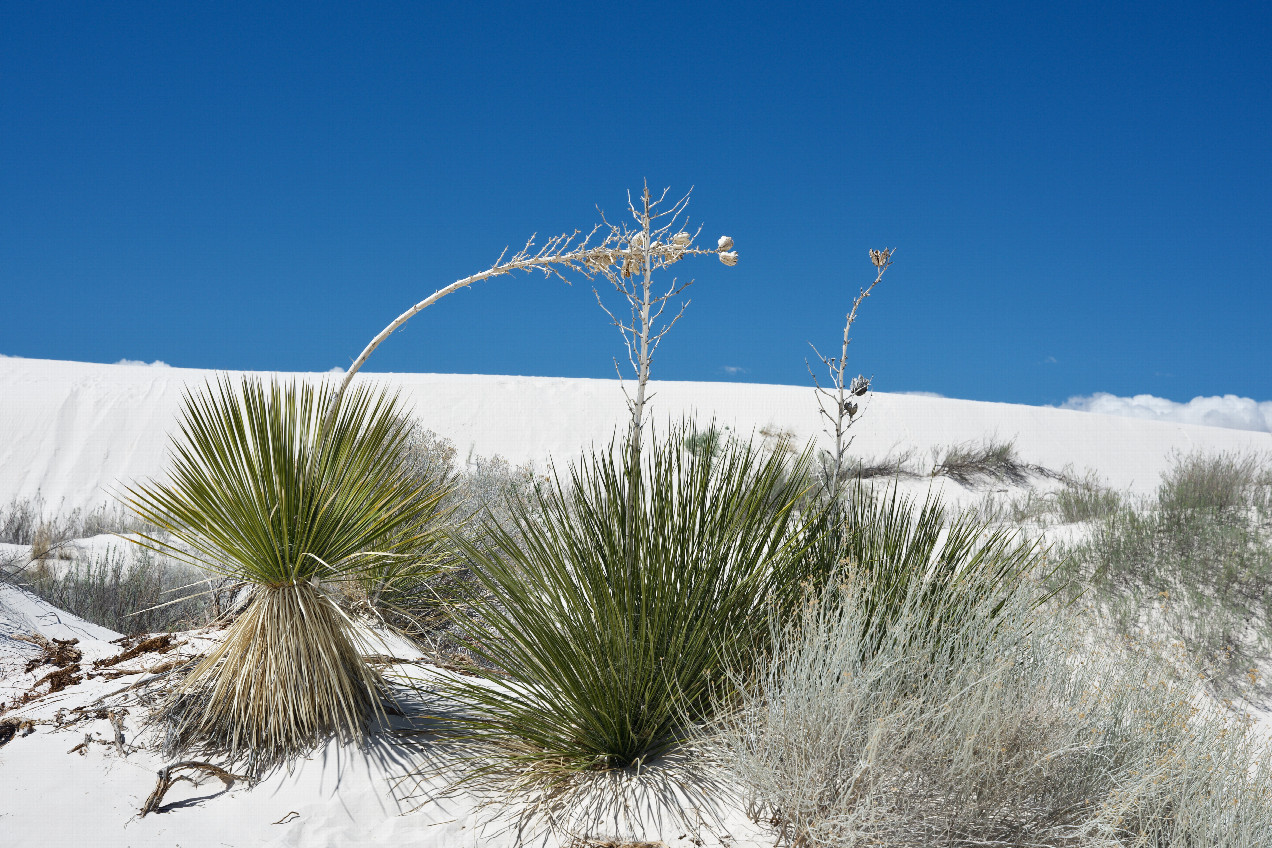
(130, 596)
(262, 492)
(866, 730)
(604, 629)
(891, 543)
(1086, 500)
(1196, 561)
(1219, 484)
(970, 462)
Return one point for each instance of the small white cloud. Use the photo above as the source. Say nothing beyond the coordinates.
(733, 369)
(1050, 360)
(335, 369)
(156, 364)
(1231, 411)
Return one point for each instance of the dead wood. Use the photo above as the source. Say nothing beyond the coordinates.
(57, 652)
(160, 644)
(82, 748)
(57, 680)
(117, 723)
(168, 776)
(11, 727)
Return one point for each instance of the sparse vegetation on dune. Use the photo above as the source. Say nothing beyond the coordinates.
(1011, 728)
(1194, 562)
(863, 668)
(30, 521)
(1077, 500)
(141, 593)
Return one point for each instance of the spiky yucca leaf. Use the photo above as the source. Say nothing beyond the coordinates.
(258, 491)
(899, 548)
(608, 632)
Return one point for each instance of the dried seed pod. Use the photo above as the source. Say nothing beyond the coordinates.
(881, 258)
(859, 385)
(725, 243)
(681, 239)
(850, 408)
(730, 258)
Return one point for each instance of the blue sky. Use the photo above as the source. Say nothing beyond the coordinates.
(1080, 196)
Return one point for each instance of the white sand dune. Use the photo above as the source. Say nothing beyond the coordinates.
(75, 432)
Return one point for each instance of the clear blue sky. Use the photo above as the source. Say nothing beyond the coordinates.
(1080, 195)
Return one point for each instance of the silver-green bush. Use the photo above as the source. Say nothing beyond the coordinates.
(1020, 731)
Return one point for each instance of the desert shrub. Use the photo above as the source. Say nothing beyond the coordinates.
(970, 462)
(1086, 500)
(710, 440)
(143, 593)
(605, 626)
(1019, 731)
(25, 520)
(1197, 561)
(890, 542)
(284, 489)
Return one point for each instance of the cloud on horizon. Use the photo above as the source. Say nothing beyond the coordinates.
(732, 370)
(158, 363)
(1231, 411)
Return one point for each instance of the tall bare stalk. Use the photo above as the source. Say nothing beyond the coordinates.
(659, 239)
(616, 255)
(841, 397)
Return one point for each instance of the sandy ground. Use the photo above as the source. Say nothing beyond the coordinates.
(75, 432)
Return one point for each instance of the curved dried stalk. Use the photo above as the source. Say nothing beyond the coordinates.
(621, 252)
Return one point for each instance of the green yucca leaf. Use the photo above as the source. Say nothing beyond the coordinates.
(608, 633)
(259, 491)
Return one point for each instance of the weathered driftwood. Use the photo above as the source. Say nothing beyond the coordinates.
(168, 776)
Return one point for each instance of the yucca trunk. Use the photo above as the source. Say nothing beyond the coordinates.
(288, 675)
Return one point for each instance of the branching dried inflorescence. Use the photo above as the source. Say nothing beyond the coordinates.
(840, 398)
(617, 252)
(660, 238)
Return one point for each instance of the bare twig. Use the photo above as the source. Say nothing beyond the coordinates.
(840, 397)
(168, 776)
(82, 748)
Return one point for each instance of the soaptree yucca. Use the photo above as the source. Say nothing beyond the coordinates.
(900, 547)
(602, 632)
(260, 491)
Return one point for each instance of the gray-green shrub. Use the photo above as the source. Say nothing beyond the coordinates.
(1019, 731)
(1196, 561)
(141, 593)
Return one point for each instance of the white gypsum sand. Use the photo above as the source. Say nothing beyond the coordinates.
(73, 432)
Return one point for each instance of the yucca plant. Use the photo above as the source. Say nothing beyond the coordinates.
(896, 546)
(605, 631)
(260, 491)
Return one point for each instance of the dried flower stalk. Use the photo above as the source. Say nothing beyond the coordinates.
(842, 398)
(620, 254)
